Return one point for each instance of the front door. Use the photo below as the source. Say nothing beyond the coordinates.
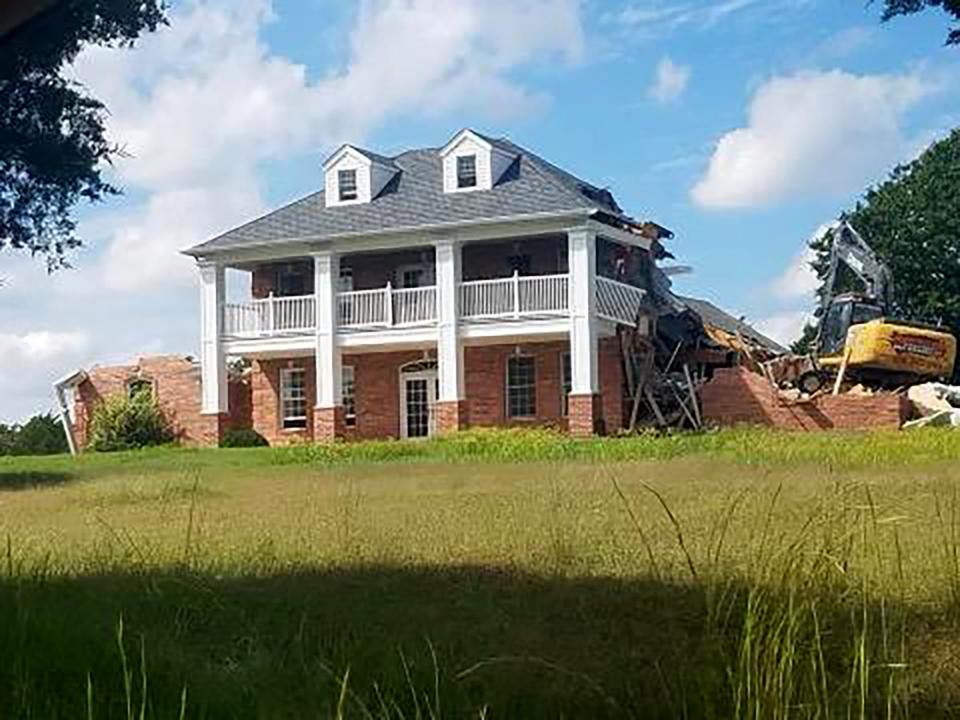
(418, 400)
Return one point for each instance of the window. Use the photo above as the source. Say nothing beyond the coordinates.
(467, 171)
(566, 383)
(347, 184)
(140, 389)
(292, 280)
(521, 387)
(293, 398)
(347, 399)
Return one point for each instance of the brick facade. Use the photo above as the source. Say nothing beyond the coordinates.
(586, 415)
(737, 396)
(175, 382)
(377, 393)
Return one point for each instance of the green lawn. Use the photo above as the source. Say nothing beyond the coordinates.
(498, 575)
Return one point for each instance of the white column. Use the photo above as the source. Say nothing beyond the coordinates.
(213, 362)
(582, 245)
(449, 348)
(326, 279)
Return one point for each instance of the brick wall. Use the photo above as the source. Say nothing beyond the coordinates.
(737, 396)
(176, 386)
(377, 390)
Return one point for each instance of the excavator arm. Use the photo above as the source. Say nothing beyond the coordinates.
(850, 249)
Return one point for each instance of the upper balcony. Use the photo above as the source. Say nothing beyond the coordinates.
(517, 297)
(504, 285)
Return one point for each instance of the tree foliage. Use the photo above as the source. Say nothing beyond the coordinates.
(912, 221)
(40, 435)
(53, 145)
(895, 8)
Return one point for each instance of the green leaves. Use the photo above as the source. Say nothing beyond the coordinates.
(893, 8)
(53, 145)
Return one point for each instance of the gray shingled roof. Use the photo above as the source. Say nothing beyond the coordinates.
(415, 198)
(712, 315)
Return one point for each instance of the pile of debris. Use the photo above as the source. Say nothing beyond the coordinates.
(935, 404)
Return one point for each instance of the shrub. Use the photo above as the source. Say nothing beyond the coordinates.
(242, 438)
(122, 423)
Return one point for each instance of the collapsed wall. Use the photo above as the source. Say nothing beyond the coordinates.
(174, 382)
(737, 396)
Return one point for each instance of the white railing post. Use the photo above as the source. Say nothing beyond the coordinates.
(516, 293)
(388, 303)
(271, 326)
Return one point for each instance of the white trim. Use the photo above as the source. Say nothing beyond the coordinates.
(326, 279)
(213, 361)
(283, 387)
(449, 347)
(407, 236)
(431, 377)
(584, 360)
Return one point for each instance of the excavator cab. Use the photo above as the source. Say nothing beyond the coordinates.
(844, 311)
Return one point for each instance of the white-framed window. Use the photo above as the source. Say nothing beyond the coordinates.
(347, 185)
(347, 397)
(466, 171)
(293, 398)
(521, 386)
(566, 383)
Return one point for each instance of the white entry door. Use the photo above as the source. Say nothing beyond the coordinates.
(418, 403)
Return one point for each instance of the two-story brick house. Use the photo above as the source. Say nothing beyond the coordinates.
(470, 285)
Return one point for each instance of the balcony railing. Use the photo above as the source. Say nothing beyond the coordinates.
(515, 297)
(270, 316)
(618, 301)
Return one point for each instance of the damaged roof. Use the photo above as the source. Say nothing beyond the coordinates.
(414, 198)
(710, 314)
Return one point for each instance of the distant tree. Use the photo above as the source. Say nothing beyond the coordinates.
(894, 8)
(53, 143)
(912, 221)
(40, 435)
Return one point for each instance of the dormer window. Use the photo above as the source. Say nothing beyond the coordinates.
(472, 162)
(347, 183)
(353, 176)
(466, 171)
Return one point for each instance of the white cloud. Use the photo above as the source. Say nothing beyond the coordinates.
(670, 81)
(784, 327)
(29, 365)
(199, 105)
(809, 134)
(799, 281)
(656, 17)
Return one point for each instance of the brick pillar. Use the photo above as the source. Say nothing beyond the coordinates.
(328, 424)
(210, 429)
(451, 416)
(585, 414)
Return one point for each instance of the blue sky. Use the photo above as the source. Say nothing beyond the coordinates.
(743, 125)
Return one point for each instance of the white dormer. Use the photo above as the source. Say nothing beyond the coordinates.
(353, 176)
(470, 162)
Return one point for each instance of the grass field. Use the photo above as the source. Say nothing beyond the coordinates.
(498, 575)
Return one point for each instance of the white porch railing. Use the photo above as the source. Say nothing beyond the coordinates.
(618, 301)
(500, 298)
(515, 296)
(386, 307)
(272, 315)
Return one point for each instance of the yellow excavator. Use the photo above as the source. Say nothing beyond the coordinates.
(856, 336)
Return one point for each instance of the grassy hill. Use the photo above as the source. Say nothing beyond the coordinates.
(492, 575)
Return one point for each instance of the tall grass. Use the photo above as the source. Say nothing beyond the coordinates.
(763, 601)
